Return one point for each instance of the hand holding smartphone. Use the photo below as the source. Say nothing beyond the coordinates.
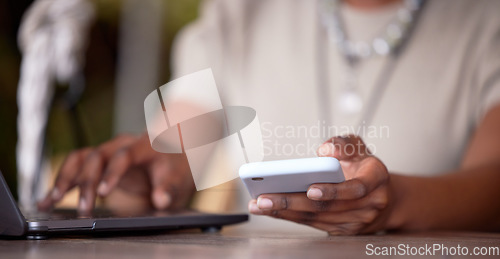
(288, 176)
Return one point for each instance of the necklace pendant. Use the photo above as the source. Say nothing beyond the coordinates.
(350, 102)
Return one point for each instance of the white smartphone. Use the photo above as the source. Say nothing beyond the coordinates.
(286, 176)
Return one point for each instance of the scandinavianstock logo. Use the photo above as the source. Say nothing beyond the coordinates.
(187, 116)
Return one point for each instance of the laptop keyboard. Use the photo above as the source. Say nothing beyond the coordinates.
(64, 214)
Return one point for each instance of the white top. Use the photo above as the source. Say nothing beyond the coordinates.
(263, 54)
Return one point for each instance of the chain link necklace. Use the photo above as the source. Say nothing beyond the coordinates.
(353, 52)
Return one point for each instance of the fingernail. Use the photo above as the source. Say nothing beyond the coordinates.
(314, 193)
(102, 190)
(83, 204)
(325, 149)
(265, 203)
(162, 200)
(252, 207)
(56, 194)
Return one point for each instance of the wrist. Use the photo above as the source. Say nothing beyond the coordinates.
(397, 194)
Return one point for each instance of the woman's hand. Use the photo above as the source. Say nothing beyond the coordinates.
(127, 165)
(358, 205)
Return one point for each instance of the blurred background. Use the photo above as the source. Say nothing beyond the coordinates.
(114, 60)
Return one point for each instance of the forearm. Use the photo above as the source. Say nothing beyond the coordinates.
(461, 200)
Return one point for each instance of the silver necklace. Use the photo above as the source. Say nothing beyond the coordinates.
(353, 52)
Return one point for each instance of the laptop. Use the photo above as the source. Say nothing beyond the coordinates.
(13, 224)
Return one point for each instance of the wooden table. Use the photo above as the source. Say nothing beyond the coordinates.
(237, 242)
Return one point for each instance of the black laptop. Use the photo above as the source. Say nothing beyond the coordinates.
(67, 222)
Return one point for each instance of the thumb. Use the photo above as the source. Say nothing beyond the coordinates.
(171, 183)
(161, 198)
(346, 148)
(169, 189)
(161, 190)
